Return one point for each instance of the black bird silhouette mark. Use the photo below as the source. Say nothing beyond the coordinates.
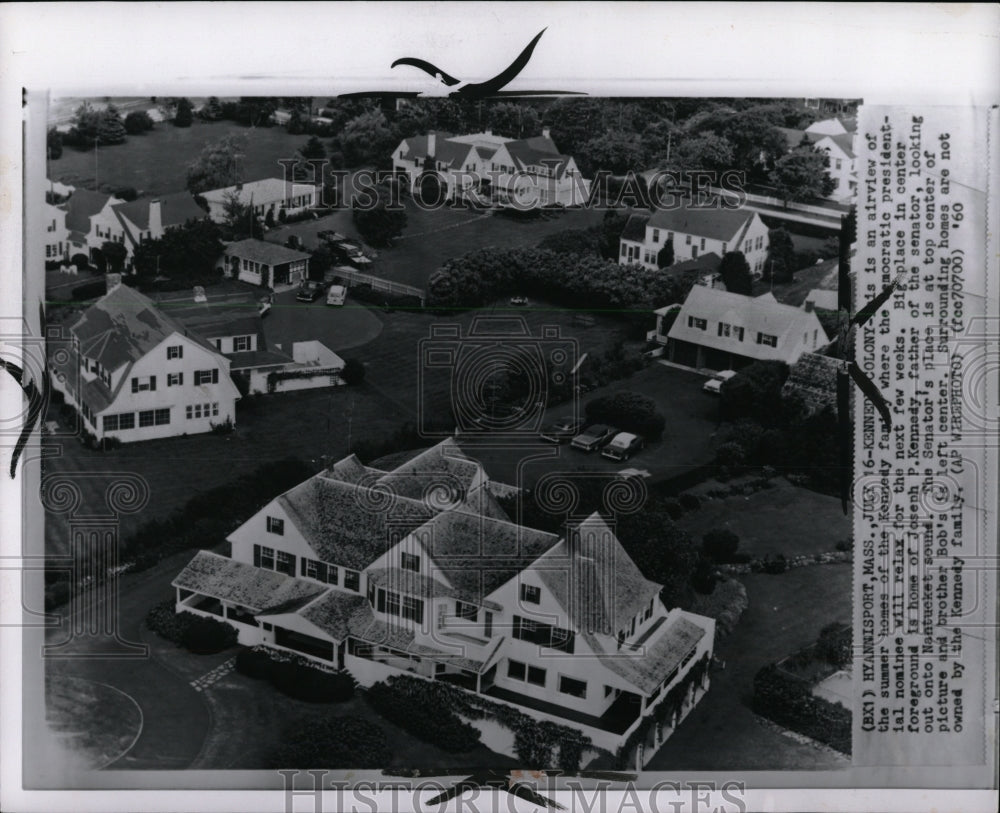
(849, 369)
(499, 780)
(472, 90)
(36, 400)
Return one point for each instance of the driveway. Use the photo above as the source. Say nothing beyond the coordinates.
(339, 328)
(175, 718)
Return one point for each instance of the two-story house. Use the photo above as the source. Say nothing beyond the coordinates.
(836, 137)
(525, 173)
(719, 330)
(150, 218)
(419, 570)
(57, 248)
(693, 231)
(271, 199)
(135, 373)
(90, 220)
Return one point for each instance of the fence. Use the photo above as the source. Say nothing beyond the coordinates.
(351, 276)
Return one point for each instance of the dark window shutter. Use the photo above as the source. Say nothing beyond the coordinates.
(256, 555)
(152, 383)
(215, 375)
(135, 385)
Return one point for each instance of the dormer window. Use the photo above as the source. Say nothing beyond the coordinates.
(408, 561)
(531, 594)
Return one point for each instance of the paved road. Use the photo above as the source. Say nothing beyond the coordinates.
(176, 718)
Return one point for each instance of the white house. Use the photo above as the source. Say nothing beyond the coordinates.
(693, 231)
(843, 164)
(135, 373)
(57, 246)
(89, 216)
(266, 264)
(270, 198)
(526, 173)
(419, 570)
(150, 218)
(719, 330)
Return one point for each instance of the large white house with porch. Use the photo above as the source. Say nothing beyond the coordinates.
(524, 173)
(135, 373)
(418, 569)
(271, 199)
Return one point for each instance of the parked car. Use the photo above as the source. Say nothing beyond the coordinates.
(519, 300)
(714, 384)
(309, 291)
(331, 236)
(622, 446)
(593, 437)
(335, 295)
(561, 430)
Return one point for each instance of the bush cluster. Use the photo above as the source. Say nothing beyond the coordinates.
(789, 702)
(201, 635)
(332, 742)
(430, 720)
(630, 412)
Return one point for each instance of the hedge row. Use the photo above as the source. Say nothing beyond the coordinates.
(200, 635)
(295, 678)
(431, 720)
(332, 742)
(789, 702)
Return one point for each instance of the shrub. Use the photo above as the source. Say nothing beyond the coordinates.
(332, 742)
(353, 372)
(690, 502)
(775, 564)
(629, 411)
(81, 261)
(720, 545)
(673, 507)
(845, 545)
(165, 621)
(789, 702)
(110, 442)
(834, 644)
(255, 663)
(310, 684)
(206, 636)
(430, 720)
(225, 427)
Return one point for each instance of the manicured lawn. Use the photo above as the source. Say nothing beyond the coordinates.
(307, 424)
(786, 612)
(156, 162)
(784, 519)
(339, 328)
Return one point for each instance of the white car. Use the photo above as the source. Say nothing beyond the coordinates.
(622, 446)
(714, 384)
(336, 294)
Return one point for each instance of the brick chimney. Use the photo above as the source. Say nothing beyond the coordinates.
(112, 281)
(809, 306)
(431, 144)
(488, 131)
(155, 219)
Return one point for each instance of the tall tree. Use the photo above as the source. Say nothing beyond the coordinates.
(185, 113)
(218, 164)
(513, 120)
(86, 121)
(380, 224)
(189, 251)
(211, 110)
(735, 271)
(366, 138)
(802, 175)
(780, 263)
(665, 257)
(615, 151)
(110, 129)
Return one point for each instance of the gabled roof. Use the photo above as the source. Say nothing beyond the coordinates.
(478, 554)
(707, 263)
(347, 524)
(262, 251)
(124, 325)
(82, 205)
(794, 137)
(338, 613)
(714, 223)
(443, 467)
(175, 210)
(231, 314)
(262, 192)
(594, 580)
(824, 299)
(538, 151)
(844, 141)
(635, 228)
(649, 666)
(255, 588)
(447, 151)
(761, 314)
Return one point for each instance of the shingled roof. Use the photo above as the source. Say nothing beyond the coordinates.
(713, 223)
(255, 588)
(646, 668)
(813, 378)
(82, 205)
(263, 252)
(175, 210)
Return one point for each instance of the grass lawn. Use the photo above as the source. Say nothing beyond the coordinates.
(786, 612)
(155, 163)
(306, 424)
(250, 716)
(783, 519)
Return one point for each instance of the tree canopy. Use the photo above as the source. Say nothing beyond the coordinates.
(217, 166)
(138, 121)
(186, 255)
(780, 262)
(380, 224)
(184, 114)
(735, 271)
(802, 175)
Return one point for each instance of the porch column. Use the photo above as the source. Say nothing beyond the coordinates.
(638, 756)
